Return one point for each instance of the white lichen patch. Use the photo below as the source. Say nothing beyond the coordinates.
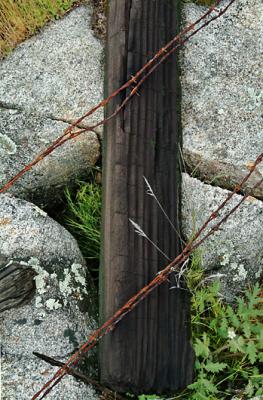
(74, 283)
(7, 146)
(240, 272)
(39, 211)
(54, 291)
(225, 259)
(225, 250)
(53, 304)
(65, 286)
(76, 269)
(42, 277)
(258, 274)
(255, 98)
(38, 302)
(34, 262)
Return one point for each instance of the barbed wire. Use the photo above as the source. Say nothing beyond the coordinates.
(150, 67)
(138, 80)
(160, 278)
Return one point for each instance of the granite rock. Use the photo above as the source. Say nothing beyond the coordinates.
(58, 72)
(254, 398)
(23, 136)
(57, 318)
(222, 95)
(46, 83)
(235, 250)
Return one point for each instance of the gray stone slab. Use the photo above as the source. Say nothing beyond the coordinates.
(254, 398)
(23, 136)
(58, 72)
(57, 318)
(236, 249)
(18, 387)
(222, 95)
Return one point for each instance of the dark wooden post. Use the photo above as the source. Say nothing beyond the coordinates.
(150, 350)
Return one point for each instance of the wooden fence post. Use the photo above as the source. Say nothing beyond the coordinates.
(150, 350)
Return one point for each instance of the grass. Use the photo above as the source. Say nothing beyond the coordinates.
(227, 339)
(83, 219)
(19, 19)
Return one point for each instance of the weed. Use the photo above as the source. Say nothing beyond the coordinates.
(20, 19)
(194, 274)
(84, 218)
(228, 343)
(144, 396)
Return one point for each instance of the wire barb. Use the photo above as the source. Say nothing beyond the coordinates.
(140, 77)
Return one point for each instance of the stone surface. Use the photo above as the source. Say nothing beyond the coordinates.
(222, 93)
(58, 72)
(56, 320)
(236, 249)
(23, 136)
(46, 83)
(254, 398)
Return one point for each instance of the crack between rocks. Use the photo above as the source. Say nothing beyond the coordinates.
(9, 106)
(188, 169)
(221, 174)
(229, 188)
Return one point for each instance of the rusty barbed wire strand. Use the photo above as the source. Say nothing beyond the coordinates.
(217, 226)
(78, 375)
(236, 189)
(163, 53)
(161, 277)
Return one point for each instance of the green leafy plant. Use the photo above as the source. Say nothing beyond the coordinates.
(84, 218)
(228, 343)
(195, 274)
(227, 339)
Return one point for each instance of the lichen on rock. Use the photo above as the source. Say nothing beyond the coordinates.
(7, 146)
(235, 251)
(32, 240)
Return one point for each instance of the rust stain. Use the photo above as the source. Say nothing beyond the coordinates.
(5, 221)
(251, 199)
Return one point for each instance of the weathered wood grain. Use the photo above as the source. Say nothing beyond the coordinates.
(17, 285)
(150, 351)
